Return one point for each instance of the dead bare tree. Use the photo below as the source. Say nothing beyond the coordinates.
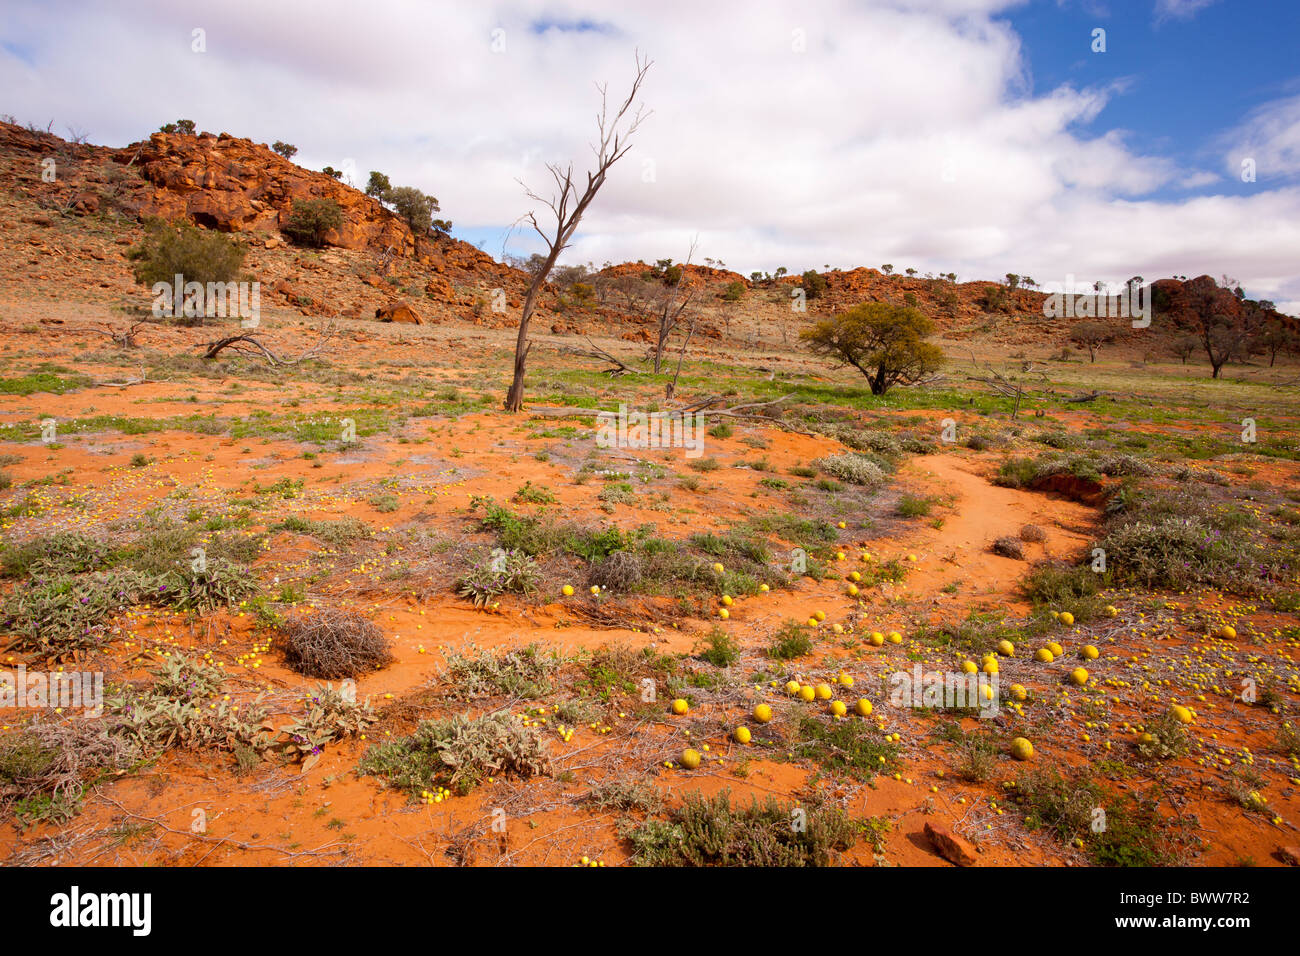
(127, 338)
(568, 206)
(671, 388)
(670, 308)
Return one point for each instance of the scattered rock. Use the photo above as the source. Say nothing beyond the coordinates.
(1289, 855)
(950, 846)
(398, 312)
(439, 289)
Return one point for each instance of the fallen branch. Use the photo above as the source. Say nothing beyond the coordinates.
(248, 345)
(126, 384)
(619, 367)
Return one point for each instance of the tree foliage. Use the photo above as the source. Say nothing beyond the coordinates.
(311, 219)
(169, 250)
(885, 342)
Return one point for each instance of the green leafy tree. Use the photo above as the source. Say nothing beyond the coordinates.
(287, 150)
(814, 284)
(311, 219)
(885, 342)
(378, 186)
(415, 207)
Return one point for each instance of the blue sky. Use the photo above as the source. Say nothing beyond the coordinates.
(972, 136)
(1184, 81)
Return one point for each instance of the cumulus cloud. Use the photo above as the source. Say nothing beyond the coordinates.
(847, 133)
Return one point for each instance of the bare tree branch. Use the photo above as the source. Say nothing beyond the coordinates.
(568, 207)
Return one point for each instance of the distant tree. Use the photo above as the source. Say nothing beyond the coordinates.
(1092, 336)
(311, 219)
(910, 271)
(378, 186)
(735, 290)
(664, 271)
(1184, 346)
(415, 207)
(755, 276)
(185, 127)
(1224, 328)
(781, 270)
(1276, 338)
(814, 284)
(333, 173)
(167, 128)
(565, 277)
(995, 299)
(887, 269)
(885, 342)
(1013, 281)
(287, 150)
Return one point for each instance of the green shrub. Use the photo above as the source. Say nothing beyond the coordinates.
(511, 571)
(311, 219)
(415, 208)
(458, 753)
(851, 467)
(709, 831)
(790, 642)
(221, 583)
(182, 249)
(720, 648)
(525, 673)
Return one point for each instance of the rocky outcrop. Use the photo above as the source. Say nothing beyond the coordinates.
(234, 185)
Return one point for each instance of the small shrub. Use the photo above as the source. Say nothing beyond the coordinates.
(458, 753)
(509, 571)
(790, 642)
(311, 219)
(720, 648)
(851, 467)
(709, 831)
(911, 506)
(333, 644)
(617, 571)
(186, 250)
(1009, 547)
(524, 673)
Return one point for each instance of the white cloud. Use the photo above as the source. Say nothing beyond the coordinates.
(1269, 135)
(1179, 9)
(905, 132)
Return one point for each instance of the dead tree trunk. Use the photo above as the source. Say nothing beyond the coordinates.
(568, 207)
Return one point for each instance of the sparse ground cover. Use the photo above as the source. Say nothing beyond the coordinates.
(509, 614)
